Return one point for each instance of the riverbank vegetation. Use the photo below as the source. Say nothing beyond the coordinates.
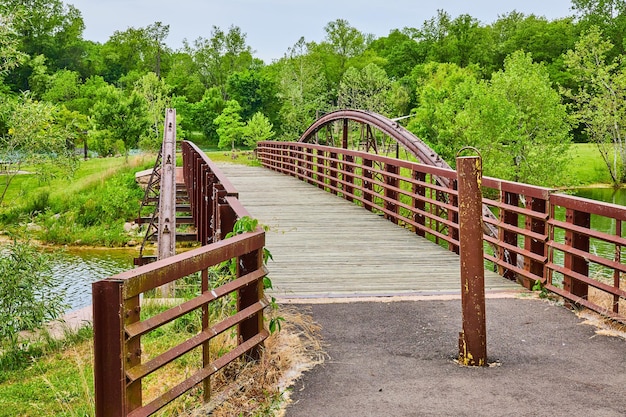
(91, 208)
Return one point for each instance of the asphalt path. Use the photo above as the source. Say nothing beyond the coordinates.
(398, 359)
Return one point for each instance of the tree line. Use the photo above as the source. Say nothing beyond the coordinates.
(520, 89)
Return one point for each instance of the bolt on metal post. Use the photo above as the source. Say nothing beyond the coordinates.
(473, 338)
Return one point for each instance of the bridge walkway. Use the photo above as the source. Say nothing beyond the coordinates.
(324, 246)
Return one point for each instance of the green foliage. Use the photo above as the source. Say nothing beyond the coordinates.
(367, 89)
(229, 125)
(155, 93)
(519, 124)
(442, 93)
(34, 137)
(600, 99)
(28, 295)
(257, 129)
(302, 90)
(118, 119)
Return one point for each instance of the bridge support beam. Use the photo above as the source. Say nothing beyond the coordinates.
(473, 338)
(167, 197)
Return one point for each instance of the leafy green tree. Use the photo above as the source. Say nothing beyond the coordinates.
(155, 93)
(62, 87)
(255, 91)
(229, 125)
(443, 92)
(546, 40)
(257, 129)
(118, 121)
(609, 16)
(49, 28)
(29, 298)
(10, 55)
(368, 89)
(220, 56)
(400, 51)
(518, 122)
(342, 45)
(199, 117)
(35, 138)
(302, 90)
(600, 99)
(183, 78)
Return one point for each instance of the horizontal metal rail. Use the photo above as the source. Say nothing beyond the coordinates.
(119, 366)
(542, 236)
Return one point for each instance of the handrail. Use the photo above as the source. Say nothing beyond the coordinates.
(541, 236)
(119, 368)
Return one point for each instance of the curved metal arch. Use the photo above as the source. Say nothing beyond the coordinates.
(390, 127)
(424, 153)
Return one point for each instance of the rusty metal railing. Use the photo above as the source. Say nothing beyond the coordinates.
(542, 236)
(119, 364)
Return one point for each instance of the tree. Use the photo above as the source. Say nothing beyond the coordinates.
(200, 115)
(157, 33)
(29, 297)
(368, 89)
(600, 99)
(257, 129)
(609, 16)
(400, 51)
(229, 125)
(155, 93)
(35, 138)
(10, 56)
(118, 121)
(254, 91)
(220, 56)
(49, 28)
(443, 92)
(183, 78)
(518, 122)
(302, 90)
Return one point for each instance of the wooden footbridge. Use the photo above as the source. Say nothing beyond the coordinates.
(324, 246)
(343, 221)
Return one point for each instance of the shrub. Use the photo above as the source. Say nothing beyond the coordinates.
(28, 296)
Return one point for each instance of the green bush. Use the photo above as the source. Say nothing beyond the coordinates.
(28, 298)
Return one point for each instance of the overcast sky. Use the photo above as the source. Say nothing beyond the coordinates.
(272, 26)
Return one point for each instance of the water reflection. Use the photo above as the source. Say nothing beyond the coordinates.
(77, 269)
(608, 195)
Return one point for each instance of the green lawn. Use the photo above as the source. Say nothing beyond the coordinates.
(586, 166)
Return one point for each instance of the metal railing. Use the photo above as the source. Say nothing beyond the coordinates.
(542, 236)
(119, 365)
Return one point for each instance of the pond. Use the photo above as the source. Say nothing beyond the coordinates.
(76, 269)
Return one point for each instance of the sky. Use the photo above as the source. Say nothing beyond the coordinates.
(272, 26)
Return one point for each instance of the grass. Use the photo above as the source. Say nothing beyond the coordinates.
(586, 166)
(61, 382)
(88, 209)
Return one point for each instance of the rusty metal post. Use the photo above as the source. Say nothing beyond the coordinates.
(573, 262)
(248, 296)
(167, 198)
(108, 349)
(419, 203)
(391, 195)
(473, 338)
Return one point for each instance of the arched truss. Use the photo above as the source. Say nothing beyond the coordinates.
(389, 127)
(392, 129)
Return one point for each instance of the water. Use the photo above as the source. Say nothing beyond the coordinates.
(76, 269)
(608, 195)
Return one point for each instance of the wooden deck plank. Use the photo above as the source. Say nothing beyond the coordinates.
(325, 246)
